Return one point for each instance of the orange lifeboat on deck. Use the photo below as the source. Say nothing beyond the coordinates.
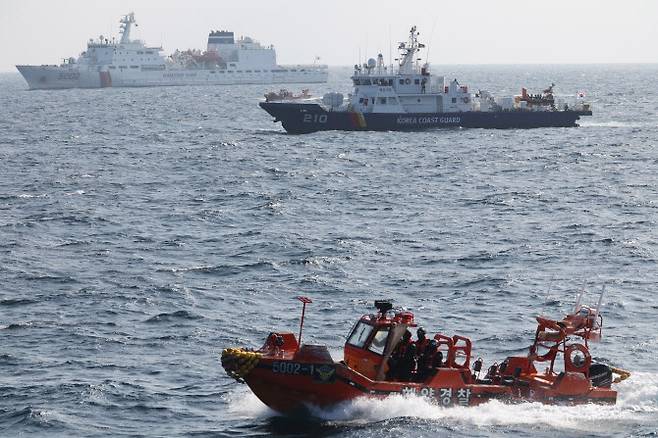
(289, 376)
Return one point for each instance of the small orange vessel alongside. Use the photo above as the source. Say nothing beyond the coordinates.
(289, 377)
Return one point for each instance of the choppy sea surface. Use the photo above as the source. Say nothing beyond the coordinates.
(142, 231)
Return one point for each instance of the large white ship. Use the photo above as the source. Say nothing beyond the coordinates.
(130, 63)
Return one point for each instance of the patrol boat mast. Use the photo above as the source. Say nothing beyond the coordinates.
(409, 65)
(126, 23)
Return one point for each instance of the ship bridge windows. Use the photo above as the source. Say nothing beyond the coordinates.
(381, 100)
(134, 66)
(360, 334)
(378, 343)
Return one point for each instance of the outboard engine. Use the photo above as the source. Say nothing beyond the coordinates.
(600, 375)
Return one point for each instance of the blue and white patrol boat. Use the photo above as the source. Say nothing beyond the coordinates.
(414, 99)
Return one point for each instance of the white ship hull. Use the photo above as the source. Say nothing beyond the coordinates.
(59, 77)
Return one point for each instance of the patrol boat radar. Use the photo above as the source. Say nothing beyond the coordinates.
(411, 98)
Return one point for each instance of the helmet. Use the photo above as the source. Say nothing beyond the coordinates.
(420, 332)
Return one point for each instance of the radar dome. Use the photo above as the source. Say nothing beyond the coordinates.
(372, 63)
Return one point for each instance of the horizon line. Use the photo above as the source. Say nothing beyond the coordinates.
(647, 63)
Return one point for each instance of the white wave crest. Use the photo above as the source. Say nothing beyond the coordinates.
(637, 404)
(243, 404)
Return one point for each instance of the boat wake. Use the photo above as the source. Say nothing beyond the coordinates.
(637, 406)
(613, 124)
(243, 404)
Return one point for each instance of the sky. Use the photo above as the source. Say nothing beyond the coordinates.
(338, 31)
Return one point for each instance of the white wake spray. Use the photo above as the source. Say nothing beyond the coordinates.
(637, 405)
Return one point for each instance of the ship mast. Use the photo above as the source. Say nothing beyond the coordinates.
(126, 24)
(408, 51)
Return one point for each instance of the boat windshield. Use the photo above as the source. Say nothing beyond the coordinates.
(360, 335)
(378, 343)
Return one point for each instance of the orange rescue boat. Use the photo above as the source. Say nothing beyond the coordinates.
(289, 376)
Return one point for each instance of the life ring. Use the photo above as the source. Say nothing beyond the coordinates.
(407, 81)
(569, 363)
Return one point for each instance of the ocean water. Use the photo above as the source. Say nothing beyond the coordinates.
(142, 231)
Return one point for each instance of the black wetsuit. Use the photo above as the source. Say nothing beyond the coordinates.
(407, 364)
(426, 363)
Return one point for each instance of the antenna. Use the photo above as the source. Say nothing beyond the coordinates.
(305, 301)
(427, 58)
(598, 305)
(390, 48)
(548, 293)
(579, 299)
(548, 289)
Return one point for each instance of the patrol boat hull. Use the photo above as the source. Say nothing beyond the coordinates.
(50, 77)
(301, 118)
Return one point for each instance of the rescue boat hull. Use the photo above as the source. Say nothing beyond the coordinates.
(325, 385)
(380, 359)
(289, 383)
(301, 118)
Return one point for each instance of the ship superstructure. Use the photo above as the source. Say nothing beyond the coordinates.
(131, 63)
(410, 97)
